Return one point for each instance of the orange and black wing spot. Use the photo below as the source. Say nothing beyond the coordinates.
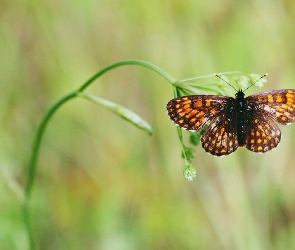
(221, 136)
(194, 112)
(279, 104)
(263, 134)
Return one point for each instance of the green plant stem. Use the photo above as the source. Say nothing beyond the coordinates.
(169, 78)
(33, 165)
(44, 123)
(39, 136)
(205, 76)
(49, 114)
(27, 219)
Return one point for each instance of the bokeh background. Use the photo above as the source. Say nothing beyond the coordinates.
(102, 183)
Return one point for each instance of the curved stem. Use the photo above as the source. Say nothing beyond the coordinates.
(39, 136)
(205, 76)
(129, 62)
(49, 114)
(44, 123)
(33, 164)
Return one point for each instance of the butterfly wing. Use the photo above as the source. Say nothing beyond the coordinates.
(194, 112)
(221, 136)
(263, 134)
(279, 104)
(263, 109)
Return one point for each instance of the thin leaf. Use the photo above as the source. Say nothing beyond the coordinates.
(125, 113)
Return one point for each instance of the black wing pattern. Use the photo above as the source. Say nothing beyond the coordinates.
(279, 104)
(194, 112)
(220, 138)
(263, 134)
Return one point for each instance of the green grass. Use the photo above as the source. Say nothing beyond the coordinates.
(102, 183)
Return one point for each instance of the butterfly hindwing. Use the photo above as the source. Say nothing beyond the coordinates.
(263, 134)
(221, 138)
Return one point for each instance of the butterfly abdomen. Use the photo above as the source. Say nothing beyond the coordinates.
(241, 117)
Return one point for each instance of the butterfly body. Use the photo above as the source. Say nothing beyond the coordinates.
(235, 122)
(240, 114)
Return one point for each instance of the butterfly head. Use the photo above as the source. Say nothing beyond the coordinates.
(240, 93)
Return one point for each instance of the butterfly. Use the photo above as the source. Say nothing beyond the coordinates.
(235, 122)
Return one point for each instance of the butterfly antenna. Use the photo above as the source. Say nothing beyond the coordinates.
(226, 81)
(256, 81)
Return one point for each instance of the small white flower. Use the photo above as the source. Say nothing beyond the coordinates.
(189, 172)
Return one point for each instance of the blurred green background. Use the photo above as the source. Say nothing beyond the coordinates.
(102, 183)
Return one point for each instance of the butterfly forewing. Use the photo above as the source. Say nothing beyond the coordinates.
(194, 112)
(221, 136)
(280, 104)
